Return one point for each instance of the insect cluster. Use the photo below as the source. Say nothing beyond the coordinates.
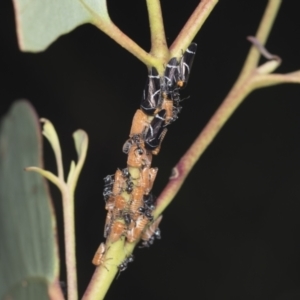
(127, 193)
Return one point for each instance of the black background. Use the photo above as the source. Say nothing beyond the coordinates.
(232, 231)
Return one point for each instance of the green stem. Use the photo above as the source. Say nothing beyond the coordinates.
(186, 163)
(265, 80)
(159, 48)
(123, 40)
(243, 86)
(105, 273)
(192, 26)
(261, 35)
(70, 245)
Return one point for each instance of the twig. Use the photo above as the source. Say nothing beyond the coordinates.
(246, 82)
(262, 34)
(192, 27)
(159, 47)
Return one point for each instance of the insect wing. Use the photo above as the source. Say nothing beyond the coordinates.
(153, 135)
(186, 63)
(151, 95)
(171, 73)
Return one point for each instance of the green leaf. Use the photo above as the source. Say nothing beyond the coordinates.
(40, 22)
(28, 250)
(81, 141)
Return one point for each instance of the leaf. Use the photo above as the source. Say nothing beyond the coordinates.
(28, 250)
(81, 141)
(40, 22)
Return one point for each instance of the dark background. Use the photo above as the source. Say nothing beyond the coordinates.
(232, 231)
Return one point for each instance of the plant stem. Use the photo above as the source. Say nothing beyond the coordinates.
(102, 278)
(123, 40)
(245, 83)
(265, 80)
(186, 163)
(159, 47)
(262, 34)
(192, 27)
(70, 245)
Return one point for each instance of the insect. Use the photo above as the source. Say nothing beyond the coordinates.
(127, 218)
(127, 178)
(136, 201)
(125, 173)
(185, 65)
(139, 123)
(108, 180)
(107, 225)
(151, 95)
(139, 156)
(117, 229)
(148, 206)
(110, 203)
(107, 192)
(156, 132)
(169, 89)
(129, 187)
(149, 201)
(124, 264)
(146, 212)
(108, 183)
(120, 202)
(119, 184)
(148, 176)
(151, 233)
(134, 233)
(98, 258)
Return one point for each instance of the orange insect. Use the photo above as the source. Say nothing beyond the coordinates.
(108, 221)
(119, 184)
(151, 233)
(146, 181)
(117, 229)
(110, 203)
(136, 201)
(139, 157)
(167, 104)
(139, 123)
(120, 202)
(162, 136)
(99, 256)
(134, 233)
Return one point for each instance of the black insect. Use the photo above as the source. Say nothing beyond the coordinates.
(126, 173)
(124, 264)
(151, 95)
(148, 206)
(129, 186)
(135, 139)
(108, 184)
(127, 218)
(151, 233)
(185, 65)
(149, 201)
(129, 183)
(108, 180)
(148, 243)
(170, 76)
(107, 192)
(156, 131)
(146, 212)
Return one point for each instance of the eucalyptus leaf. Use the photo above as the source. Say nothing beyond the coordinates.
(40, 22)
(28, 249)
